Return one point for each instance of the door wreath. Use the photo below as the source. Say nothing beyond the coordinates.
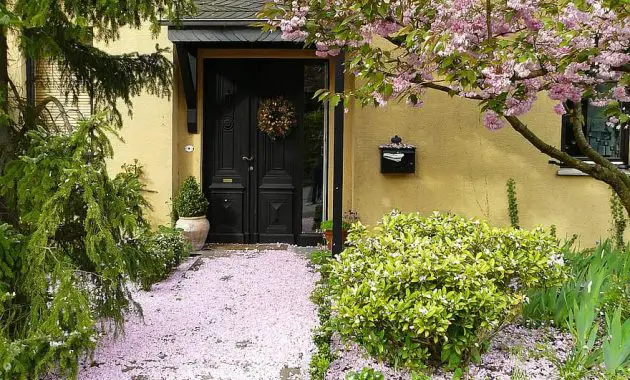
(276, 117)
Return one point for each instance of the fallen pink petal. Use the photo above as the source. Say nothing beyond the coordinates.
(241, 315)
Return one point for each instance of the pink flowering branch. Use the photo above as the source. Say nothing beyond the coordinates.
(503, 54)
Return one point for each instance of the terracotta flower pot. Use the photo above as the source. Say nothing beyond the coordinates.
(328, 235)
(195, 229)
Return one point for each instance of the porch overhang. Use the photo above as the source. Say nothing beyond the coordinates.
(226, 34)
(215, 33)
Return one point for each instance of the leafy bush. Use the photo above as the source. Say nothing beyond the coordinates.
(321, 359)
(69, 260)
(327, 225)
(168, 248)
(190, 201)
(512, 203)
(603, 263)
(435, 288)
(365, 374)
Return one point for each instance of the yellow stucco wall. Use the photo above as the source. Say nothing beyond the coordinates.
(463, 168)
(149, 132)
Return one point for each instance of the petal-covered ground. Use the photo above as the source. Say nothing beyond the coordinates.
(515, 349)
(229, 315)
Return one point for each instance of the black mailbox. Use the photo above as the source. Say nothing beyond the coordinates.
(397, 157)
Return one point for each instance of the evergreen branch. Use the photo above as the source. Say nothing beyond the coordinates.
(108, 79)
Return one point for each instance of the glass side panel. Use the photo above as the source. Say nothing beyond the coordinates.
(314, 176)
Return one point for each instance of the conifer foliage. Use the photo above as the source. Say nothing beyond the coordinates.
(83, 239)
(72, 237)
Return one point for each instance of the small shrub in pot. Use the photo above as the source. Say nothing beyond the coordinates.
(190, 201)
(432, 289)
(349, 217)
(190, 205)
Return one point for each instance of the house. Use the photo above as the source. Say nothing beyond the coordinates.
(266, 190)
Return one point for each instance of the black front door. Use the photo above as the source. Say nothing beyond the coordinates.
(253, 182)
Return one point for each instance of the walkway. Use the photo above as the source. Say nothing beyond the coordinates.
(226, 315)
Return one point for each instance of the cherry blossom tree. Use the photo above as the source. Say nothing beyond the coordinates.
(502, 54)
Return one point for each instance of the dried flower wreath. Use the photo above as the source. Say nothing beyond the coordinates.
(276, 117)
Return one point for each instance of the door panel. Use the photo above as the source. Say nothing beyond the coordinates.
(252, 181)
(279, 158)
(226, 175)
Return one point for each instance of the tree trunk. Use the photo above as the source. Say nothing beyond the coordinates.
(602, 169)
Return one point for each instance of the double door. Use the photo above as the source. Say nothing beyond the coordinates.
(253, 182)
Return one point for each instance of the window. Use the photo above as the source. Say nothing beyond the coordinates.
(608, 139)
(48, 84)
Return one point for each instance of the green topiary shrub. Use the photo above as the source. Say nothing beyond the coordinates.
(190, 201)
(422, 289)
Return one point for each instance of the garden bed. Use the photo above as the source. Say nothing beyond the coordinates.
(514, 349)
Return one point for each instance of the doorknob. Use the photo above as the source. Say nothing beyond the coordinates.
(249, 159)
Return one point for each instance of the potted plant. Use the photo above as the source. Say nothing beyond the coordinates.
(190, 206)
(349, 217)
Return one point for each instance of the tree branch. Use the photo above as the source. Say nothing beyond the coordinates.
(449, 90)
(550, 150)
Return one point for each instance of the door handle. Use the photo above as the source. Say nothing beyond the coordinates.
(248, 159)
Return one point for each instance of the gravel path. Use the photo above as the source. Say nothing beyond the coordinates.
(238, 315)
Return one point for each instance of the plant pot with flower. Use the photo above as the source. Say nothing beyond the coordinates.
(190, 206)
(349, 217)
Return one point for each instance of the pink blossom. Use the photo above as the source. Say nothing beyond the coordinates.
(599, 102)
(450, 38)
(492, 120)
(517, 107)
(386, 28)
(401, 83)
(559, 109)
(621, 94)
(612, 59)
(572, 17)
(565, 91)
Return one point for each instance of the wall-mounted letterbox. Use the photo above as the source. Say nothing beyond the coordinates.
(397, 157)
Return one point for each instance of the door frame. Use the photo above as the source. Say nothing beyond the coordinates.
(250, 228)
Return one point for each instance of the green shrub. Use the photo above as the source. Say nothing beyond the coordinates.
(619, 220)
(321, 359)
(365, 374)
(327, 225)
(167, 247)
(190, 201)
(586, 267)
(435, 288)
(512, 203)
(69, 260)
